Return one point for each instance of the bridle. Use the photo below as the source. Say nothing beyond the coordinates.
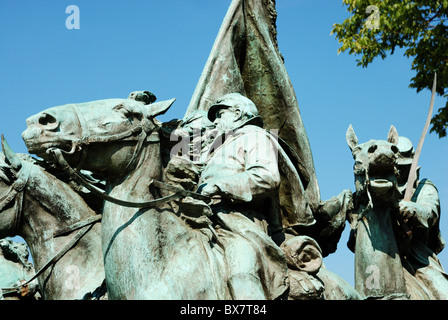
(15, 192)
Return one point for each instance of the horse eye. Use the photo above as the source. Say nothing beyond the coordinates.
(394, 149)
(123, 110)
(372, 149)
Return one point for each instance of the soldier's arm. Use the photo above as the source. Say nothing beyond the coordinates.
(259, 178)
(424, 208)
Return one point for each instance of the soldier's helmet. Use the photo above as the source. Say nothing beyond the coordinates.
(235, 100)
(405, 151)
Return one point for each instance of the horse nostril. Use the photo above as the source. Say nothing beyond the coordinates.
(372, 149)
(48, 121)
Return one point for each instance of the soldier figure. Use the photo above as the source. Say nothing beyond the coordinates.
(422, 214)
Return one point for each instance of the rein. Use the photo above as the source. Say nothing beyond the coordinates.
(74, 174)
(85, 138)
(16, 192)
(61, 252)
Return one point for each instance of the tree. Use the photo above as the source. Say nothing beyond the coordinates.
(377, 28)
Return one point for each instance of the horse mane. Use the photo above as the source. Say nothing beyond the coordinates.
(7, 174)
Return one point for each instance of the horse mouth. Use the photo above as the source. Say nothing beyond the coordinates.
(381, 184)
(40, 148)
(381, 177)
(38, 141)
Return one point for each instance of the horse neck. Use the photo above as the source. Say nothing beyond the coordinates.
(378, 268)
(48, 206)
(134, 186)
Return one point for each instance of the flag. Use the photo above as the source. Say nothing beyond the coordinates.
(245, 58)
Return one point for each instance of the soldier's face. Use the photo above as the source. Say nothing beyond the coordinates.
(225, 119)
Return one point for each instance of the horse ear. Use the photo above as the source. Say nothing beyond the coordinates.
(10, 156)
(158, 108)
(392, 136)
(351, 138)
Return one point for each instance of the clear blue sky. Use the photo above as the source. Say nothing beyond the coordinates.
(162, 46)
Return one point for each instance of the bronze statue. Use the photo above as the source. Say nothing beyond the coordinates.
(221, 204)
(395, 241)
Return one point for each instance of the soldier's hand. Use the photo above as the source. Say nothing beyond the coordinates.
(408, 209)
(208, 189)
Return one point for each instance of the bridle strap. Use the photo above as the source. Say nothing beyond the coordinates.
(17, 186)
(86, 138)
(138, 148)
(15, 192)
(9, 195)
(60, 253)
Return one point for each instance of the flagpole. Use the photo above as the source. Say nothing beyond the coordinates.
(413, 170)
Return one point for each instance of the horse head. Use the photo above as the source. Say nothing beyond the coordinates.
(14, 173)
(73, 128)
(375, 169)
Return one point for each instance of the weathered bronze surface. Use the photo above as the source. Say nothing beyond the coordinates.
(221, 204)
